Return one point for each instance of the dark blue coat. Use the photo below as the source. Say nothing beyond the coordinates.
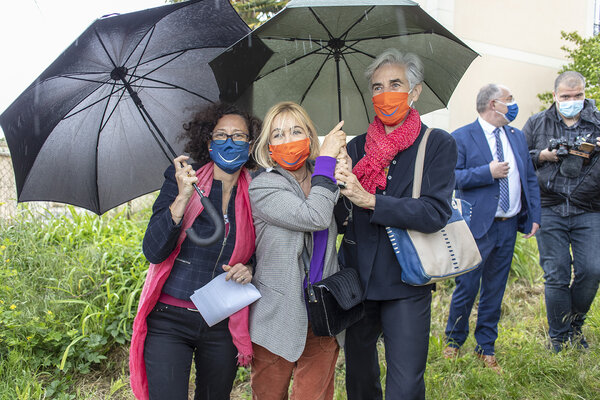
(474, 182)
(366, 246)
(194, 266)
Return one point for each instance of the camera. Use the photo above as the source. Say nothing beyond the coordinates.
(580, 146)
(561, 145)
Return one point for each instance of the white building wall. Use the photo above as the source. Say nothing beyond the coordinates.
(520, 47)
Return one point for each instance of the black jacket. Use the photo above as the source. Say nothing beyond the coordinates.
(543, 126)
(366, 246)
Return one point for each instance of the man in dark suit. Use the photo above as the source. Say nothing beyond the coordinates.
(495, 174)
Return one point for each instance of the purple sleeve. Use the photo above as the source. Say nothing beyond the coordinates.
(325, 166)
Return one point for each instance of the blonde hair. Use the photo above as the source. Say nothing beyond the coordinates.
(261, 147)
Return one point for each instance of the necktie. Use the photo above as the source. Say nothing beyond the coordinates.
(504, 199)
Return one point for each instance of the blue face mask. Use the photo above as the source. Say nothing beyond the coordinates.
(229, 156)
(513, 110)
(570, 108)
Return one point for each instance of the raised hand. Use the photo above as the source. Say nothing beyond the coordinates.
(334, 141)
(185, 176)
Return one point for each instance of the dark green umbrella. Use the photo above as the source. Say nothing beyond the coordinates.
(315, 52)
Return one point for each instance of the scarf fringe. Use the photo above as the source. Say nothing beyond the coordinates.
(244, 360)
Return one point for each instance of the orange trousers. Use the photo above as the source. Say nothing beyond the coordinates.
(314, 372)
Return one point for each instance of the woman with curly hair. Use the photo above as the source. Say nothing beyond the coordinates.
(168, 331)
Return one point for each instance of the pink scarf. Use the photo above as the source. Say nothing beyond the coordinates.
(381, 148)
(158, 274)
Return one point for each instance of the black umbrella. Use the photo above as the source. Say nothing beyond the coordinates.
(315, 52)
(97, 128)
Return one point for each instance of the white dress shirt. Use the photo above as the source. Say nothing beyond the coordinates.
(514, 182)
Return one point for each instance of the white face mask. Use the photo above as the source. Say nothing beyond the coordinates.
(570, 108)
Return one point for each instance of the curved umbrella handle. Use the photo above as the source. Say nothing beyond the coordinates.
(215, 216)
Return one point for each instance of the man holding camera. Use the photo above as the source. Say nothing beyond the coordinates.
(563, 143)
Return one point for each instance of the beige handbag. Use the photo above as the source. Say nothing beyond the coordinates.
(426, 258)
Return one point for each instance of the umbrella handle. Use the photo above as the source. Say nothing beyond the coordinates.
(217, 219)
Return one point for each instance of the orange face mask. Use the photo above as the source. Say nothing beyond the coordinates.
(292, 155)
(391, 107)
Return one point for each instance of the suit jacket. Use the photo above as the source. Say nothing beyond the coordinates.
(283, 219)
(366, 246)
(474, 182)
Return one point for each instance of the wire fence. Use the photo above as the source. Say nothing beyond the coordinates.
(8, 195)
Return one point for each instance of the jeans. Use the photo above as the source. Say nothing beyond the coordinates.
(566, 302)
(405, 325)
(175, 335)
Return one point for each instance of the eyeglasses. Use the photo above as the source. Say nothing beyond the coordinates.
(238, 138)
(511, 100)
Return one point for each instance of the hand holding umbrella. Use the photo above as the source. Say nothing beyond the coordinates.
(186, 182)
(186, 177)
(334, 141)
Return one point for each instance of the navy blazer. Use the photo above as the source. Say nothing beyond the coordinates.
(474, 182)
(194, 266)
(366, 246)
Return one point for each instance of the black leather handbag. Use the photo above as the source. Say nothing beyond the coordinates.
(334, 303)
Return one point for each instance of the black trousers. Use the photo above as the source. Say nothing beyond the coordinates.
(404, 324)
(175, 336)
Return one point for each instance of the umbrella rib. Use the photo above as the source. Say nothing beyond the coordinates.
(176, 55)
(143, 51)
(81, 79)
(393, 36)
(320, 22)
(88, 106)
(357, 87)
(156, 138)
(180, 52)
(286, 64)
(436, 95)
(357, 51)
(314, 79)
(345, 34)
(105, 49)
(113, 91)
(170, 86)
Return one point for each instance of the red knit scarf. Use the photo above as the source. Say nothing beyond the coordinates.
(381, 148)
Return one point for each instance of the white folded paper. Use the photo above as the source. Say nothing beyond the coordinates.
(218, 299)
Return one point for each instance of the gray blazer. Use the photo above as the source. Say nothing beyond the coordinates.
(282, 218)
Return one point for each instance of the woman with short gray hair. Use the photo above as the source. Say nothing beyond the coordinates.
(378, 194)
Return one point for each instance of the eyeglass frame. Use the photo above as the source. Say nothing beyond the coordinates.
(230, 136)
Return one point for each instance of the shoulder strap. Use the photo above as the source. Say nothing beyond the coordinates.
(419, 161)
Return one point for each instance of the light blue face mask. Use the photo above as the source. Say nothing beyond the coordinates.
(570, 108)
(513, 110)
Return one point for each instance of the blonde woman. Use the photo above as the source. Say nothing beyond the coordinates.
(292, 205)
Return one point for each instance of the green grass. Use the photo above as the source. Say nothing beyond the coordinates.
(69, 287)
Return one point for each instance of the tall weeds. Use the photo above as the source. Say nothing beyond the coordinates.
(68, 291)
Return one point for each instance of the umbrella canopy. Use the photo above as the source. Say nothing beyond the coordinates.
(98, 127)
(315, 52)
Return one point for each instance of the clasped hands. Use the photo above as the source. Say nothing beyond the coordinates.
(334, 145)
(239, 272)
